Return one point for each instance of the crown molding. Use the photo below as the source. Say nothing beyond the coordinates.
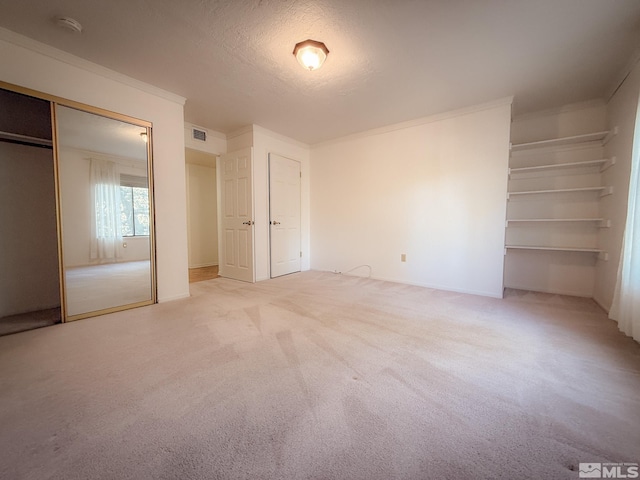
(622, 75)
(240, 131)
(420, 121)
(278, 136)
(65, 57)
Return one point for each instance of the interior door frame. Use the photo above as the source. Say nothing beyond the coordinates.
(269, 207)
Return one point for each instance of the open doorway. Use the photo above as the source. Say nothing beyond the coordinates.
(202, 215)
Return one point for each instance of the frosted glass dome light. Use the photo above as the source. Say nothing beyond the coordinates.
(311, 54)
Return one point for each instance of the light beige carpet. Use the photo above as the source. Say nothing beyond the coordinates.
(322, 376)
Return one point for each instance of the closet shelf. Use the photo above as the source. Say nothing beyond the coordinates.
(25, 139)
(602, 255)
(554, 249)
(603, 137)
(604, 163)
(603, 191)
(559, 220)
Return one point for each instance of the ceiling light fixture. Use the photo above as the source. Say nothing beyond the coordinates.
(311, 54)
(70, 24)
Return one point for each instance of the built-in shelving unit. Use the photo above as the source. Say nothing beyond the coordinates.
(554, 210)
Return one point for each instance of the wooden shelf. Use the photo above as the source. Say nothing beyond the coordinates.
(603, 190)
(575, 139)
(603, 163)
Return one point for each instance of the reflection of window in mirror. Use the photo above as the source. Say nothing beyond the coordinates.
(134, 206)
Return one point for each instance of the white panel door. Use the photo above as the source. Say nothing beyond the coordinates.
(236, 212)
(284, 215)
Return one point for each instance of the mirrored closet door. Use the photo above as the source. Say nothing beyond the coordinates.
(107, 215)
(76, 209)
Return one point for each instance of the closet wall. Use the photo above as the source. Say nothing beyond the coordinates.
(28, 238)
(622, 110)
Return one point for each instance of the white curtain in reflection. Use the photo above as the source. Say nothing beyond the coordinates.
(106, 234)
(626, 301)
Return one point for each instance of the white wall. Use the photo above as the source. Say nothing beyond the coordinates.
(203, 215)
(33, 65)
(565, 121)
(621, 112)
(29, 279)
(433, 189)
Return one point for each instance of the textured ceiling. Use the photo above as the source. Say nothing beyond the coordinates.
(390, 61)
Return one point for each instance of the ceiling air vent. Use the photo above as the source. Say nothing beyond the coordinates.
(199, 135)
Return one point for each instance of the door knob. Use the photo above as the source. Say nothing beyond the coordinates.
(250, 222)
(275, 223)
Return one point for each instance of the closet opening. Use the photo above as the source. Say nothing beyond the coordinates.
(29, 258)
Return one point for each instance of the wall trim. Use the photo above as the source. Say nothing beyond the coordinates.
(278, 136)
(419, 121)
(65, 57)
(552, 291)
(601, 305)
(253, 129)
(174, 297)
(240, 131)
(421, 284)
(622, 75)
(202, 265)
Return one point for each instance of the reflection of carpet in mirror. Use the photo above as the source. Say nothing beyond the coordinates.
(98, 287)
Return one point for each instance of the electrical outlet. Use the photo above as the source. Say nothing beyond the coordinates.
(403, 257)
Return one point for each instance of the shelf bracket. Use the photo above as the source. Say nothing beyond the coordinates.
(603, 256)
(612, 133)
(608, 164)
(607, 191)
(605, 224)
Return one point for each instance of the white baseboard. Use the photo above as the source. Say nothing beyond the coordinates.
(202, 265)
(175, 297)
(552, 291)
(426, 285)
(601, 305)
